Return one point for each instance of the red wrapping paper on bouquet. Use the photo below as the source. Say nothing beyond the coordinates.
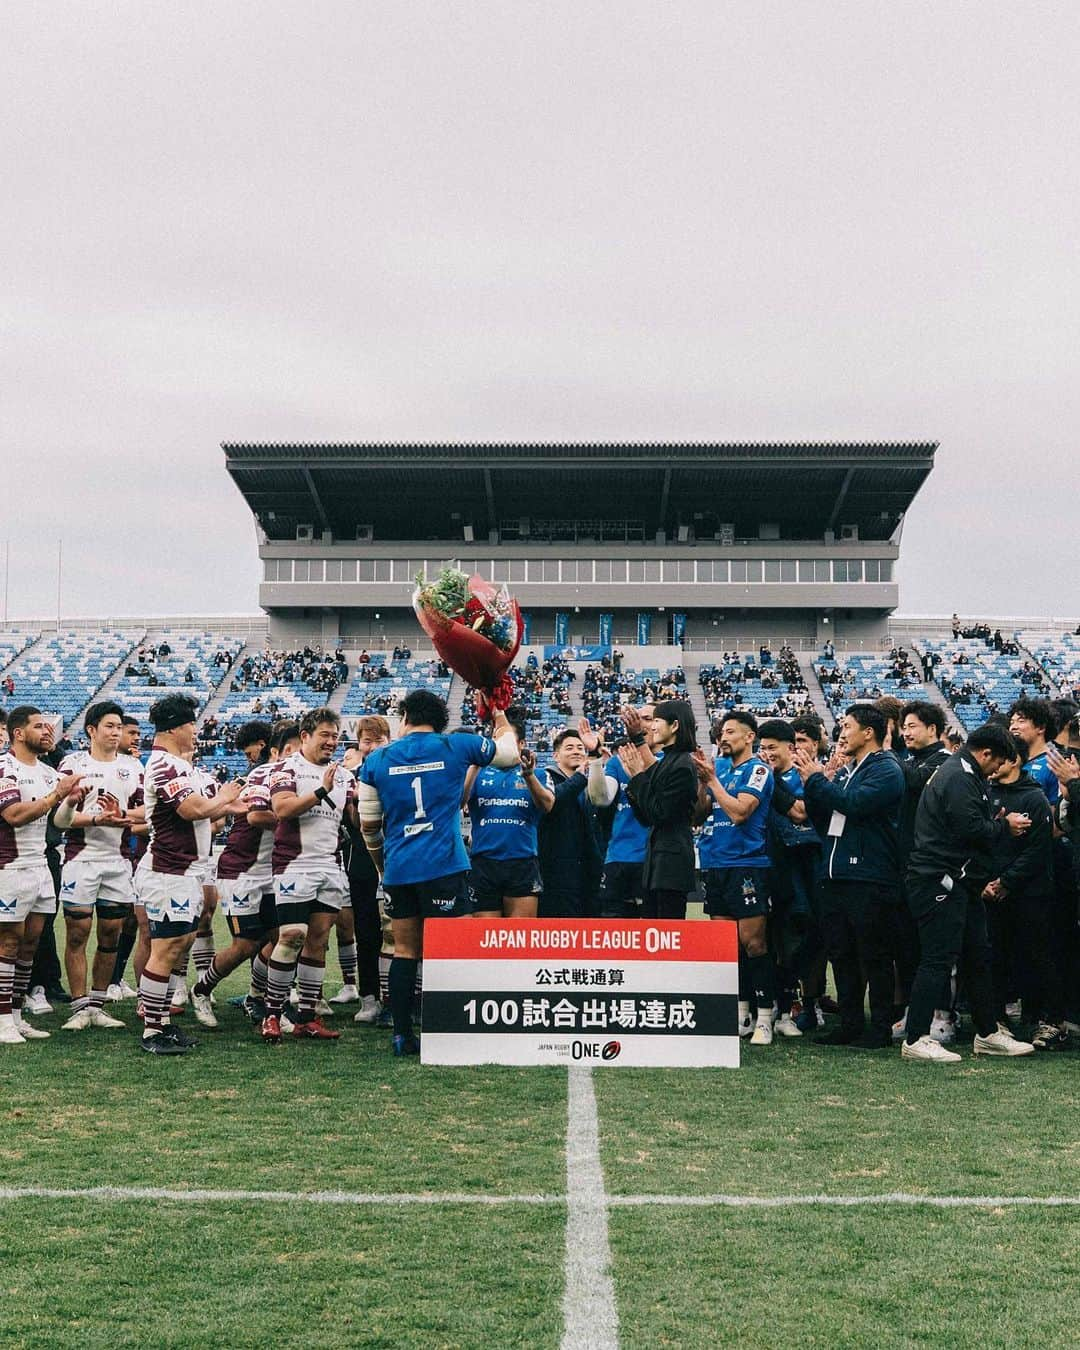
(476, 629)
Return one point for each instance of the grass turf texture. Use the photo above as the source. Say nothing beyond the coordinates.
(87, 1109)
(153, 1274)
(832, 1277)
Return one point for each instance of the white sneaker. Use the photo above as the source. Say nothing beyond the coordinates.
(899, 1029)
(180, 994)
(113, 994)
(323, 1009)
(36, 1002)
(1002, 1042)
(126, 990)
(27, 1031)
(927, 1049)
(9, 1032)
(942, 1030)
(348, 993)
(77, 1021)
(204, 1010)
(762, 1033)
(100, 1018)
(370, 1008)
(785, 1026)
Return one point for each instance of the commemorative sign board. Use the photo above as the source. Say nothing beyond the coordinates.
(598, 991)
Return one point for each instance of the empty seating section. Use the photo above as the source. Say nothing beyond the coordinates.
(373, 691)
(175, 661)
(976, 679)
(12, 643)
(771, 688)
(63, 671)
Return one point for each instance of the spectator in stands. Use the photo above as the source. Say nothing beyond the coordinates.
(363, 658)
(9, 686)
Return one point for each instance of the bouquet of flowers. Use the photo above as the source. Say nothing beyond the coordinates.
(476, 629)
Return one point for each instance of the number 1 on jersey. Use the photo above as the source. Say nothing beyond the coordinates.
(416, 786)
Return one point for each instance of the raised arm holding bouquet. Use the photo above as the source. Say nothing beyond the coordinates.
(476, 629)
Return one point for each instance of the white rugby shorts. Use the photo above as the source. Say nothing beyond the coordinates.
(326, 885)
(242, 897)
(25, 891)
(86, 882)
(167, 898)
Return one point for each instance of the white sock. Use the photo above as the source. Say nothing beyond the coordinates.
(767, 1015)
(744, 1012)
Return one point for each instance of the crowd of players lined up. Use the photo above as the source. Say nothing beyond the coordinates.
(924, 877)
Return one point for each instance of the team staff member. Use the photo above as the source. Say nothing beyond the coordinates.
(372, 733)
(410, 814)
(922, 726)
(505, 807)
(955, 834)
(854, 803)
(734, 814)
(569, 849)
(663, 791)
(621, 890)
(1020, 912)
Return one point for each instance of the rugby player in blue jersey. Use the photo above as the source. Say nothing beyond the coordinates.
(505, 806)
(410, 815)
(735, 860)
(621, 886)
(1032, 721)
(795, 851)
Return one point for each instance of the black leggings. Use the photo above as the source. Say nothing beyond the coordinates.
(363, 892)
(1023, 938)
(664, 905)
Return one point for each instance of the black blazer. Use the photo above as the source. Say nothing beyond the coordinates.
(663, 798)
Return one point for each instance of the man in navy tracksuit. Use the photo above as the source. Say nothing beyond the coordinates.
(857, 815)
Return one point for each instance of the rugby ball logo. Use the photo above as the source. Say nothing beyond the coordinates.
(611, 1050)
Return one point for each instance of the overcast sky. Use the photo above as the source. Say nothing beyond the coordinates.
(351, 221)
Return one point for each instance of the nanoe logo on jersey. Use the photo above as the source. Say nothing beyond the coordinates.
(594, 1050)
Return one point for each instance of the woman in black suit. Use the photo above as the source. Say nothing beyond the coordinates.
(663, 790)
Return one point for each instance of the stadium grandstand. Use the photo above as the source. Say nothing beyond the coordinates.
(756, 576)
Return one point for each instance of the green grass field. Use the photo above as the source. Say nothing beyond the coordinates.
(88, 1110)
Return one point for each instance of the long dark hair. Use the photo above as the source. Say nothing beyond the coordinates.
(679, 711)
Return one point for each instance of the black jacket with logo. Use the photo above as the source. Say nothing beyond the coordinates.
(1024, 864)
(955, 830)
(919, 767)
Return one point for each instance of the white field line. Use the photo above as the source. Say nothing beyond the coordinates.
(590, 1318)
(202, 1197)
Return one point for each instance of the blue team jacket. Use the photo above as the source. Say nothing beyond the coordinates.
(869, 799)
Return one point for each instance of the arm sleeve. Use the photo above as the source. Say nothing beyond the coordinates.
(370, 807)
(506, 751)
(603, 789)
(783, 799)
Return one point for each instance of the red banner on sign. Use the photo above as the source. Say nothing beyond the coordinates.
(580, 940)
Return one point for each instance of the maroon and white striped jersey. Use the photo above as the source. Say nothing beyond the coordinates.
(122, 777)
(173, 849)
(23, 845)
(313, 839)
(248, 851)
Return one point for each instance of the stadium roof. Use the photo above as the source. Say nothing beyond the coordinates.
(409, 490)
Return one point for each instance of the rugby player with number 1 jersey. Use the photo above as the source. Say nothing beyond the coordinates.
(410, 815)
